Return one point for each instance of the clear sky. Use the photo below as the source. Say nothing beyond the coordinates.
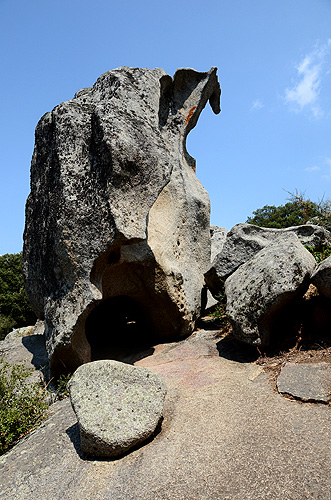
(274, 66)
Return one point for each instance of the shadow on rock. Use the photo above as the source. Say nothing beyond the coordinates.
(116, 329)
(73, 434)
(36, 345)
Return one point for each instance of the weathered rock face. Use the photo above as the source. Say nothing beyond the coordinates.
(322, 277)
(26, 346)
(245, 240)
(260, 289)
(117, 406)
(218, 237)
(116, 217)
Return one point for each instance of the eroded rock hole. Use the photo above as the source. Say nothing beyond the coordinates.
(117, 329)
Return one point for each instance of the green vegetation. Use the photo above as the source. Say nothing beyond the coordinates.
(15, 310)
(22, 405)
(299, 210)
(62, 386)
(219, 312)
(320, 254)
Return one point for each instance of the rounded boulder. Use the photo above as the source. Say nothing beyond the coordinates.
(117, 406)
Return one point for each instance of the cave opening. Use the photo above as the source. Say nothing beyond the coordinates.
(117, 329)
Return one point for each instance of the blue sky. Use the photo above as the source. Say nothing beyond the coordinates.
(274, 66)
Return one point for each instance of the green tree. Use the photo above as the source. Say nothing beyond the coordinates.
(15, 310)
(299, 210)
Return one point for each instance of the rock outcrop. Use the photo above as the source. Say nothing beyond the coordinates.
(226, 434)
(245, 240)
(260, 289)
(117, 406)
(117, 224)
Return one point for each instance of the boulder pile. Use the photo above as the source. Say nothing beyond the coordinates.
(263, 272)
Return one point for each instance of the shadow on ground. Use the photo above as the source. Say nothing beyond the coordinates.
(230, 348)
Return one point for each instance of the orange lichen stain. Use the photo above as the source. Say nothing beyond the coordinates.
(189, 116)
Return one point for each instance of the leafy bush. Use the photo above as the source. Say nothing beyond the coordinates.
(320, 254)
(276, 217)
(299, 210)
(15, 310)
(22, 405)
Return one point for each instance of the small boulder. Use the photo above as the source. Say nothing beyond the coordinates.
(322, 277)
(245, 240)
(264, 285)
(117, 406)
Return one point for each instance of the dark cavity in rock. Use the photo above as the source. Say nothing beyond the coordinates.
(117, 329)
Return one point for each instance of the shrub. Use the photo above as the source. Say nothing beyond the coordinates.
(22, 404)
(15, 310)
(321, 253)
(299, 210)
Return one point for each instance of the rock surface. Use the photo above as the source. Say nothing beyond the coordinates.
(226, 435)
(116, 211)
(263, 286)
(322, 277)
(245, 240)
(218, 237)
(26, 346)
(306, 381)
(117, 406)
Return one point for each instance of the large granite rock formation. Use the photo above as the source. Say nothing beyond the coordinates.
(218, 237)
(26, 346)
(117, 224)
(245, 240)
